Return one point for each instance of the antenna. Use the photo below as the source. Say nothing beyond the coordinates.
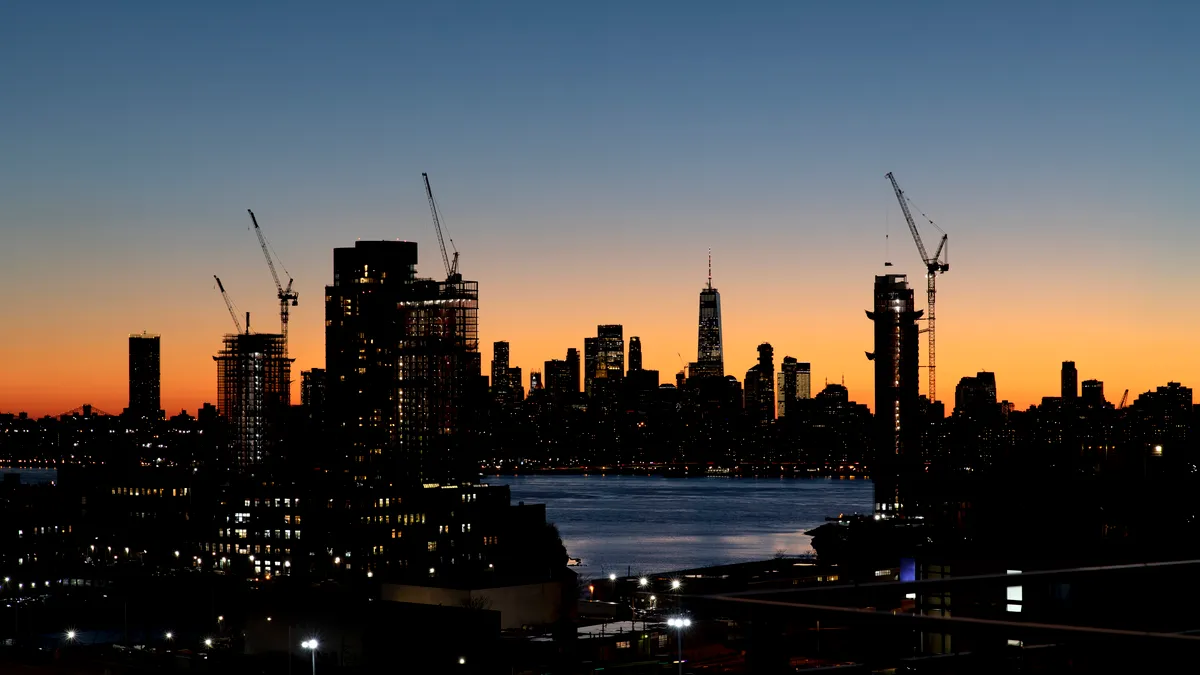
(710, 269)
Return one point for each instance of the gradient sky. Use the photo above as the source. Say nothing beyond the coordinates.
(585, 156)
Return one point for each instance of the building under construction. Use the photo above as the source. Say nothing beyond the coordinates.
(253, 394)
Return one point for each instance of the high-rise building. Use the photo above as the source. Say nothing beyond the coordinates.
(403, 364)
(516, 390)
(253, 395)
(710, 360)
(604, 357)
(144, 400)
(975, 393)
(760, 386)
(1093, 394)
(896, 388)
(573, 369)
(792, 383)
(535, 381)
(1070, 381)
(312, 397)
(500, 383)
(635, 353)
(803, 381)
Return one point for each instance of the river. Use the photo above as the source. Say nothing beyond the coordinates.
(646, 524)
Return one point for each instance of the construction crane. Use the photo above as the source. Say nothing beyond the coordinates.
(286, 295)
(934, 265)
(1124, 398)
(451, 267)
(229, 305)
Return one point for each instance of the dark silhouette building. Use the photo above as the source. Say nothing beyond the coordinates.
(896, 394)
(144, 378)
(1070, 381)
(573, 370)
(501, 389)
(1093, 394)
(710, 360)
(635, 353)
(759, 387)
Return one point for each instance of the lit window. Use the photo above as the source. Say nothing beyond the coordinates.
(1014, 593)
(1014, 608)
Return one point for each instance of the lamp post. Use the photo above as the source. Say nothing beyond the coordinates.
(679, 625)
(311, 645)
(642, 583)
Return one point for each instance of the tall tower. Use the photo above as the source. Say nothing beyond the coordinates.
(144, 400)
(573, 369)
(896, 388)
(604, 357)
(361, 335)
(1070, 381)
(635, 354)
(710, 360)
(760, 386)
(500, 384)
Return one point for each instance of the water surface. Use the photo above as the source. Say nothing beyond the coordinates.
(648, 524)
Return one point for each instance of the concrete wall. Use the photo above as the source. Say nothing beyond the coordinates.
(525, 605)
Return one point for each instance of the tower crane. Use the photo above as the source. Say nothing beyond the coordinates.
(229, 306)
(286, 295)
(451, 267)
(934, 265)
(1124, 398)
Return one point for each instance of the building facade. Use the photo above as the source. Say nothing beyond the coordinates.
(144, 377)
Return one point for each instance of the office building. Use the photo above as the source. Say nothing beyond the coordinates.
(759, 387)
(974, 394)
(793, 383)
(535, 381)
(1093, 394)
(604, 358)
(896, 388)
(253, 395)
(403, 359)
(500, 382)
(1070, 381)
(710, 360)
(635, 354)
(144, 400)
(573, 370)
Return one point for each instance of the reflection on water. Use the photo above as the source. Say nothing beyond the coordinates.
(649, 524)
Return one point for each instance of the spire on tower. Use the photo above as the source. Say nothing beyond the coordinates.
(710, 268)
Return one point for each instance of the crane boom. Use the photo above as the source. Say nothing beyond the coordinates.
(933, 267)
(286, 295)
(451, 268)
(228, 304)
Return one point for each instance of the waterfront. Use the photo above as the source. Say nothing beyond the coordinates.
(652, 524)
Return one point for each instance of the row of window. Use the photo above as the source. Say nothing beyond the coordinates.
(150, 492)
(45, 529)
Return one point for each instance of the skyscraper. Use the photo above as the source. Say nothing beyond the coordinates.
(793, 383)
(710, 360)
(760, 386)
(253, 395)
(535, 381)
(403, 362)
(361, 339)
(144, 401)
(635, 354)
(1093, 394)
(500, 383)
(573, 369)
(604, 357)
(1070, 381)
(896, 387)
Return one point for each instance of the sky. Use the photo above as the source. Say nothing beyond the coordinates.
(585, 157)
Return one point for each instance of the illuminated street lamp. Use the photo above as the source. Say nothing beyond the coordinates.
(675, 584)
(643, 582)
(208, 642)
(679, 624)
(311, 645)
(71, 635)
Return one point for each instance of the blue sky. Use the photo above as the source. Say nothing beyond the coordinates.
(595, 144)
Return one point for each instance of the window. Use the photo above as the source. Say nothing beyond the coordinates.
(1014, 593)
(623, 645)
(432, 546)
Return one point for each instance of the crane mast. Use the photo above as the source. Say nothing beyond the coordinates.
(229, 306)
(287, 297)
(451, 268)
(933, 266)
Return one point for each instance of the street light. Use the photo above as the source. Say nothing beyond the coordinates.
(643, 582)
(311, 645)
(675, 584)
(208, 642)
(612, 577)
(71, 635)
(462, 660)
(169, 635)
(679, 624)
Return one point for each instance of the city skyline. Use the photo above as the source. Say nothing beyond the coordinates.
(1056, 158)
